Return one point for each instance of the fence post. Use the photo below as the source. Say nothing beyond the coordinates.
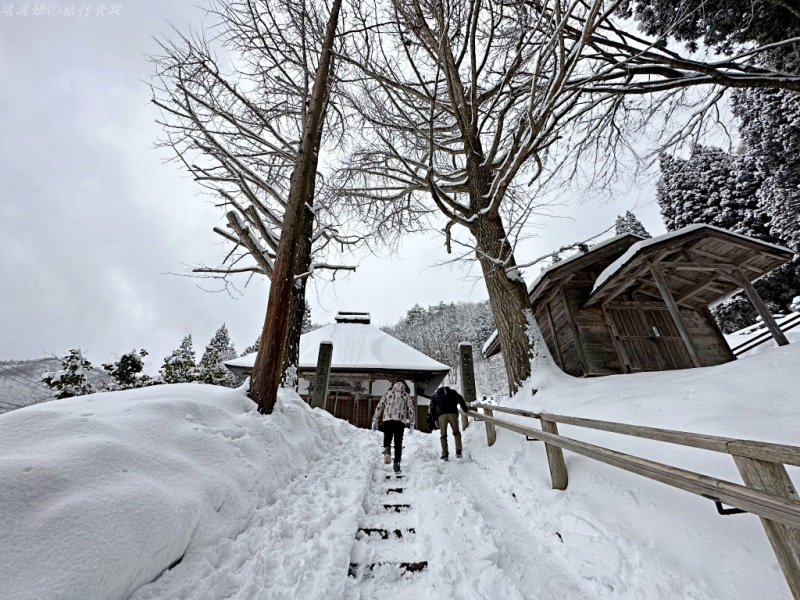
(467, 378)
(319, 394)
(491, 430)
(772, 477)
(555, 458)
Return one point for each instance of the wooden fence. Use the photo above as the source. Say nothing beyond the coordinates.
(765, 336)
(767, 491)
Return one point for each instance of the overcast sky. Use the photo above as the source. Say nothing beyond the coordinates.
(93, 223)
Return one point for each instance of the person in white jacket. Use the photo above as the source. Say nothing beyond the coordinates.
(398, 411)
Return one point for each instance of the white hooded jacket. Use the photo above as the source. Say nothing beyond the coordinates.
(397, 405)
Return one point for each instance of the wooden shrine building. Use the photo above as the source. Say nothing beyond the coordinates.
(365, 362)
(631, 304)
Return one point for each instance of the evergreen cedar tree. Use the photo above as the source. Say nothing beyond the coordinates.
(211, 367)
(629, 224)
(181, 365)
(755, 191)
(722, 25)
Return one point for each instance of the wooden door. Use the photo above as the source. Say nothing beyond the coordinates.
(647, 337)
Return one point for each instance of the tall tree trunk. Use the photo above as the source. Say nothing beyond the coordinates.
(269, 361)
(508, 296)
(297, 303)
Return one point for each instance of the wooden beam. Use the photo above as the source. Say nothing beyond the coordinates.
(764, 451)
(698, 266)
(555, 459)
(676, 314)
(616, 289)
(552, 325)
(739, 277)
(624, 361)
(575, 333)
(772, 478)
(696, 289)
(763, 504)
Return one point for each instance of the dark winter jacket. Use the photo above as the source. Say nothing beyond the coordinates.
(445, 401)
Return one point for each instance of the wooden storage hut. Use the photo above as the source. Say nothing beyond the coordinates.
(365, 362)
(631, 304)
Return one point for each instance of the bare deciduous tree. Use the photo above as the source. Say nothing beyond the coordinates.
(461, 99)
(466, 101)
(248, 126)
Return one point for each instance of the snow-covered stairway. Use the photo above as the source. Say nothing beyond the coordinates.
(386, 547)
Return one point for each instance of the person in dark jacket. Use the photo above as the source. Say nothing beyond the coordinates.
(444, 409)
(398, 410)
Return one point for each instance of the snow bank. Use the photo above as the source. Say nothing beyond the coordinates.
(637, 538)
(101, 494)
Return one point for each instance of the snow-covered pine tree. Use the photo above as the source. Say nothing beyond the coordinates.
(630, 224)
(180, 366)
(702, 189)
(722, 189)
(70, 380)
(252, 348)
(211, 367)
(127, 372)
(770, 127)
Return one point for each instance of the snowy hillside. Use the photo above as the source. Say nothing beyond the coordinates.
(21, 382)
(184, 491)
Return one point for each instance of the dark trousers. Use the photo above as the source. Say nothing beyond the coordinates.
(393, 429)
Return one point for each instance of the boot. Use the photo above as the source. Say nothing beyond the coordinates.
(396, 467)
(386, 456)
(445, 457)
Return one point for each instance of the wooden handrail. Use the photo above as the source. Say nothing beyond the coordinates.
(768, 491)
(754, 501)
(789, 455)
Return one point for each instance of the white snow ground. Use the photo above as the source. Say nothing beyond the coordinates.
(100, 495)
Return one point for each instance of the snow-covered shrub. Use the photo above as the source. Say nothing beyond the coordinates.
(127, 373)
(180, 366)
(70, 380)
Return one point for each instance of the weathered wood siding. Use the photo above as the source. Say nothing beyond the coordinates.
(598, 355)
(567, 345)
(649, 337)
(545, 326)
(711, 347)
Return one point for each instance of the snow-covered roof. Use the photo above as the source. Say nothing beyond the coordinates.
(356, 346)
(638, 247)
(597, 248)
(577, 255)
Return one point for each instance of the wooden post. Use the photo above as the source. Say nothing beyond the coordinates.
(672, 306)
(467, 378)
(772, 477)
(319, 393)
(491, 430)
(758, 304)
(555, 458)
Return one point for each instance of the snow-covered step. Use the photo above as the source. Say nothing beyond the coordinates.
(362, 571)
(395, 507)
(370, 557)
(384, 533)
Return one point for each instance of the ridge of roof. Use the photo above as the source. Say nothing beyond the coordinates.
(356, 346)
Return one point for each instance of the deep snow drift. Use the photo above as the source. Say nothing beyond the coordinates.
(101, 495)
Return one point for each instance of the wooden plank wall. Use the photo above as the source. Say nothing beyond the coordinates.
(634, 322)
(543, 320)
(712, 349)
(594, 334)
